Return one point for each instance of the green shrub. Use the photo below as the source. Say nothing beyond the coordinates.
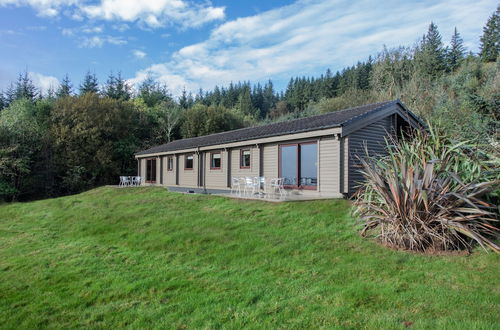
(427, 194)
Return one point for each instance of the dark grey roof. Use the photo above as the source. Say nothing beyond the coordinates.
(328, 120)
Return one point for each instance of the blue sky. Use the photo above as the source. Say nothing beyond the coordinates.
(195, 44)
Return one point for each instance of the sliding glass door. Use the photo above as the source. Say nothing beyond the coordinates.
(308, 165)
(289, 165)
(298, 165)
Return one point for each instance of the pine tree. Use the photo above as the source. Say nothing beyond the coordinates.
(117, 88)
(51, 94)
(10, 94)
(183, 99)
(258, 99)
(65, 88)
(269, 101)
(153, 93)
(3, 101)
(245, 103)
(25, 88)
(456, 51)
(190, 100)
(199, 97)
(430, 56)
(490, 40)
(90, 84)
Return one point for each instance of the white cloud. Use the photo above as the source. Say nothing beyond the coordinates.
(48, 8)
(152, 13)
(43, 82)
(310, 35)
(139, 54)
(93, 29)
(155, 13)
(36, 28)
(121, 27)
(99, 41)
(68, 32)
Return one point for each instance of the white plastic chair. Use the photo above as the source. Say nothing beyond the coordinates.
(236, 185)
(136, 181)
(262, 185)
(277, 186)
(250, 185)
(124, 181)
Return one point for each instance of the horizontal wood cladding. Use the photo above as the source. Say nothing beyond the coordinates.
(188, 178)
(169, 176)
(329, 165)
(253, 170)
(373, 137)
(216, 178)
(270, 161)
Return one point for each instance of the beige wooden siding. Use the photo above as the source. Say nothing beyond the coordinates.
(371, 136)
(329, 165)
(169, 176)
(188, 178)
(236, 171)
(158, 171)
(142, 172)
(216, 179)
(270, 160)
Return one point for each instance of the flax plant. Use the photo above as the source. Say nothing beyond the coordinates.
(429, 193)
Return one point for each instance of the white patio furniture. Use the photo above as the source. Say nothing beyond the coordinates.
(124, 181)
(277, 187)
(251, 186)
(136, 181)
(262, 185)
(236, 185)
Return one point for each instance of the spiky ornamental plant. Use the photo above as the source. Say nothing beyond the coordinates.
(414, 198)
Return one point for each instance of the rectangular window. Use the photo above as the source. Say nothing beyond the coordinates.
(188, 162)
(245, 158)
(151, 170)
(215, 161)
(298, 165)
(170, 163)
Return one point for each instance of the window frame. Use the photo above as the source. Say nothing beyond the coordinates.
(298, 171)
(170, 159)
(149, 167)
(186, 160)
(241, 158)
(212, 158)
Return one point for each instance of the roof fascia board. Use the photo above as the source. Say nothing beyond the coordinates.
(371, 118)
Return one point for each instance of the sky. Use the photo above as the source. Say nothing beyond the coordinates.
(199, 44)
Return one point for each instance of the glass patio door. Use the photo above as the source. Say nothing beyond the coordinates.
(299, 166)
(289, 165)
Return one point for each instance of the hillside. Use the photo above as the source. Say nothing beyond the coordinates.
(145, 257)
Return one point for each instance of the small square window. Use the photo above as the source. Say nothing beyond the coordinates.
(245, 158)
(215, 161)
(188, 164)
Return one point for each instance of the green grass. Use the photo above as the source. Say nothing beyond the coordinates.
(147, 258)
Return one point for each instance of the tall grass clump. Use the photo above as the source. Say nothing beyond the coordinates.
(431, 194)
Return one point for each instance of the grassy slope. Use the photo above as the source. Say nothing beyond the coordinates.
(147, 257)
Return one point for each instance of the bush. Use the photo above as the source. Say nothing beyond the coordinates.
(427, 194)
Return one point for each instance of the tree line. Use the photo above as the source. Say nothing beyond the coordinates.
(73, 138)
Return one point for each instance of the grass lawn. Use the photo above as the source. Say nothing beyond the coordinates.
(144, 257)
